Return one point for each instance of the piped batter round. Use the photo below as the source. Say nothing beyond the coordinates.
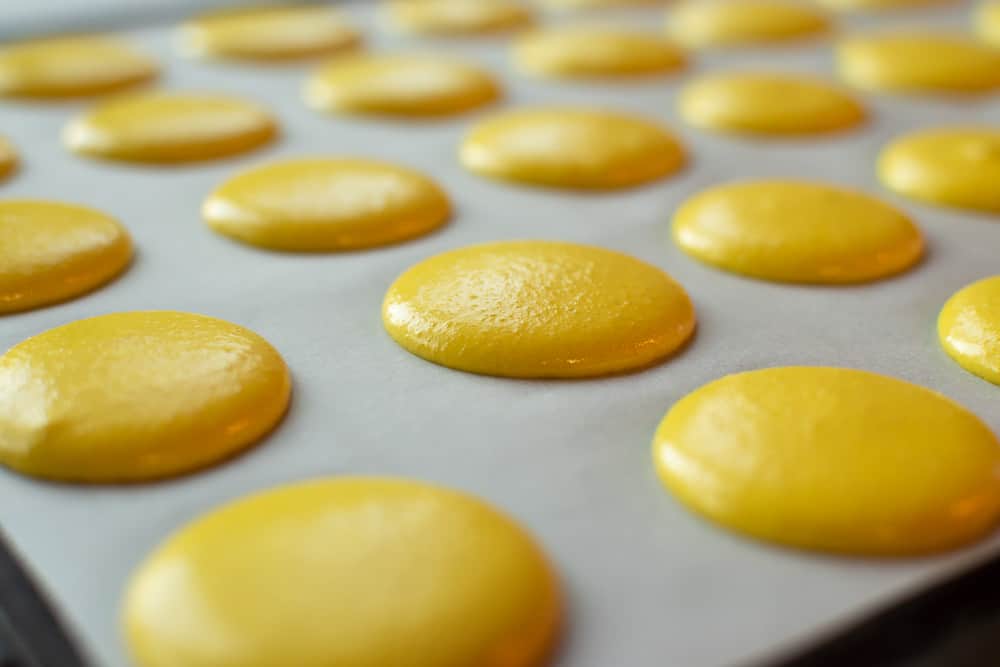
(349, 571)
(51, 252)
(162, 128)
(400, 85)
(957, 166)
(832, 459)
(768, 103)
(919, 62)
(538, 309)
(458, 17)
(880, 5)
(580, 52)
(797, 232)
(326, 205)
(599, 4)
(8, 159)
(268, 34)
(136, 396)
(987, 22)
(735, 23)
(571, 148)
(969, 328)
(74, 66)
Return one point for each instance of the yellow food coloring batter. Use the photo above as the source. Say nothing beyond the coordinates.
(268, 34)
(170, 128)
(398, 85)
(352, 571)
(798, 232)
(8, 159)
(987, 22)
(950, 166)
(919, 62)
(322, 205)
(136, 396)
(969, 328)
(458, 17)
(599, 4)
(51, 252)
(571, 148)
(762, 103)
(832, 459)
(592, 51)
(538, 309)
(878, 5)
(731, 23)
(61, 67)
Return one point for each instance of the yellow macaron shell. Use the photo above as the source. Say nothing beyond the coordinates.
(832, 459)
(51, 252)
(355, 572)
(164, 128)
(571, 148)
(8, 159)
(969, 328)
(951, 166)
(987, 22)
(400, 85)
(797, 232)
(326, 205)
(71, 66)
(879, 5)
(768, 104)
(457, 17)
(580, 52)
(739, 23)
(538, 309)
(268, 34)
(598, 4)
(919, 62)
(136, 396)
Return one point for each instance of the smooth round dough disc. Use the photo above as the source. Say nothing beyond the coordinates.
(969, 328)
(538, 309)
(735, 23)
(136, 396)
(51, 252)
(268, 34)
(797, 232)
(954, 166)
(169, 128)
(599, 4)
(880, 5)
(61, 67)
(987, 22)
(8, 159)
(919, 63)
(571, 148)
(767, 103)
(355, 571)
(397, 85)
(326, 205)
(594, 52)
(832, 459)
(458, 17)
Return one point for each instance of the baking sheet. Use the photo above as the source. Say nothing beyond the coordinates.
(647, 582)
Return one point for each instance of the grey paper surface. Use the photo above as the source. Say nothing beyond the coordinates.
(647, 583)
